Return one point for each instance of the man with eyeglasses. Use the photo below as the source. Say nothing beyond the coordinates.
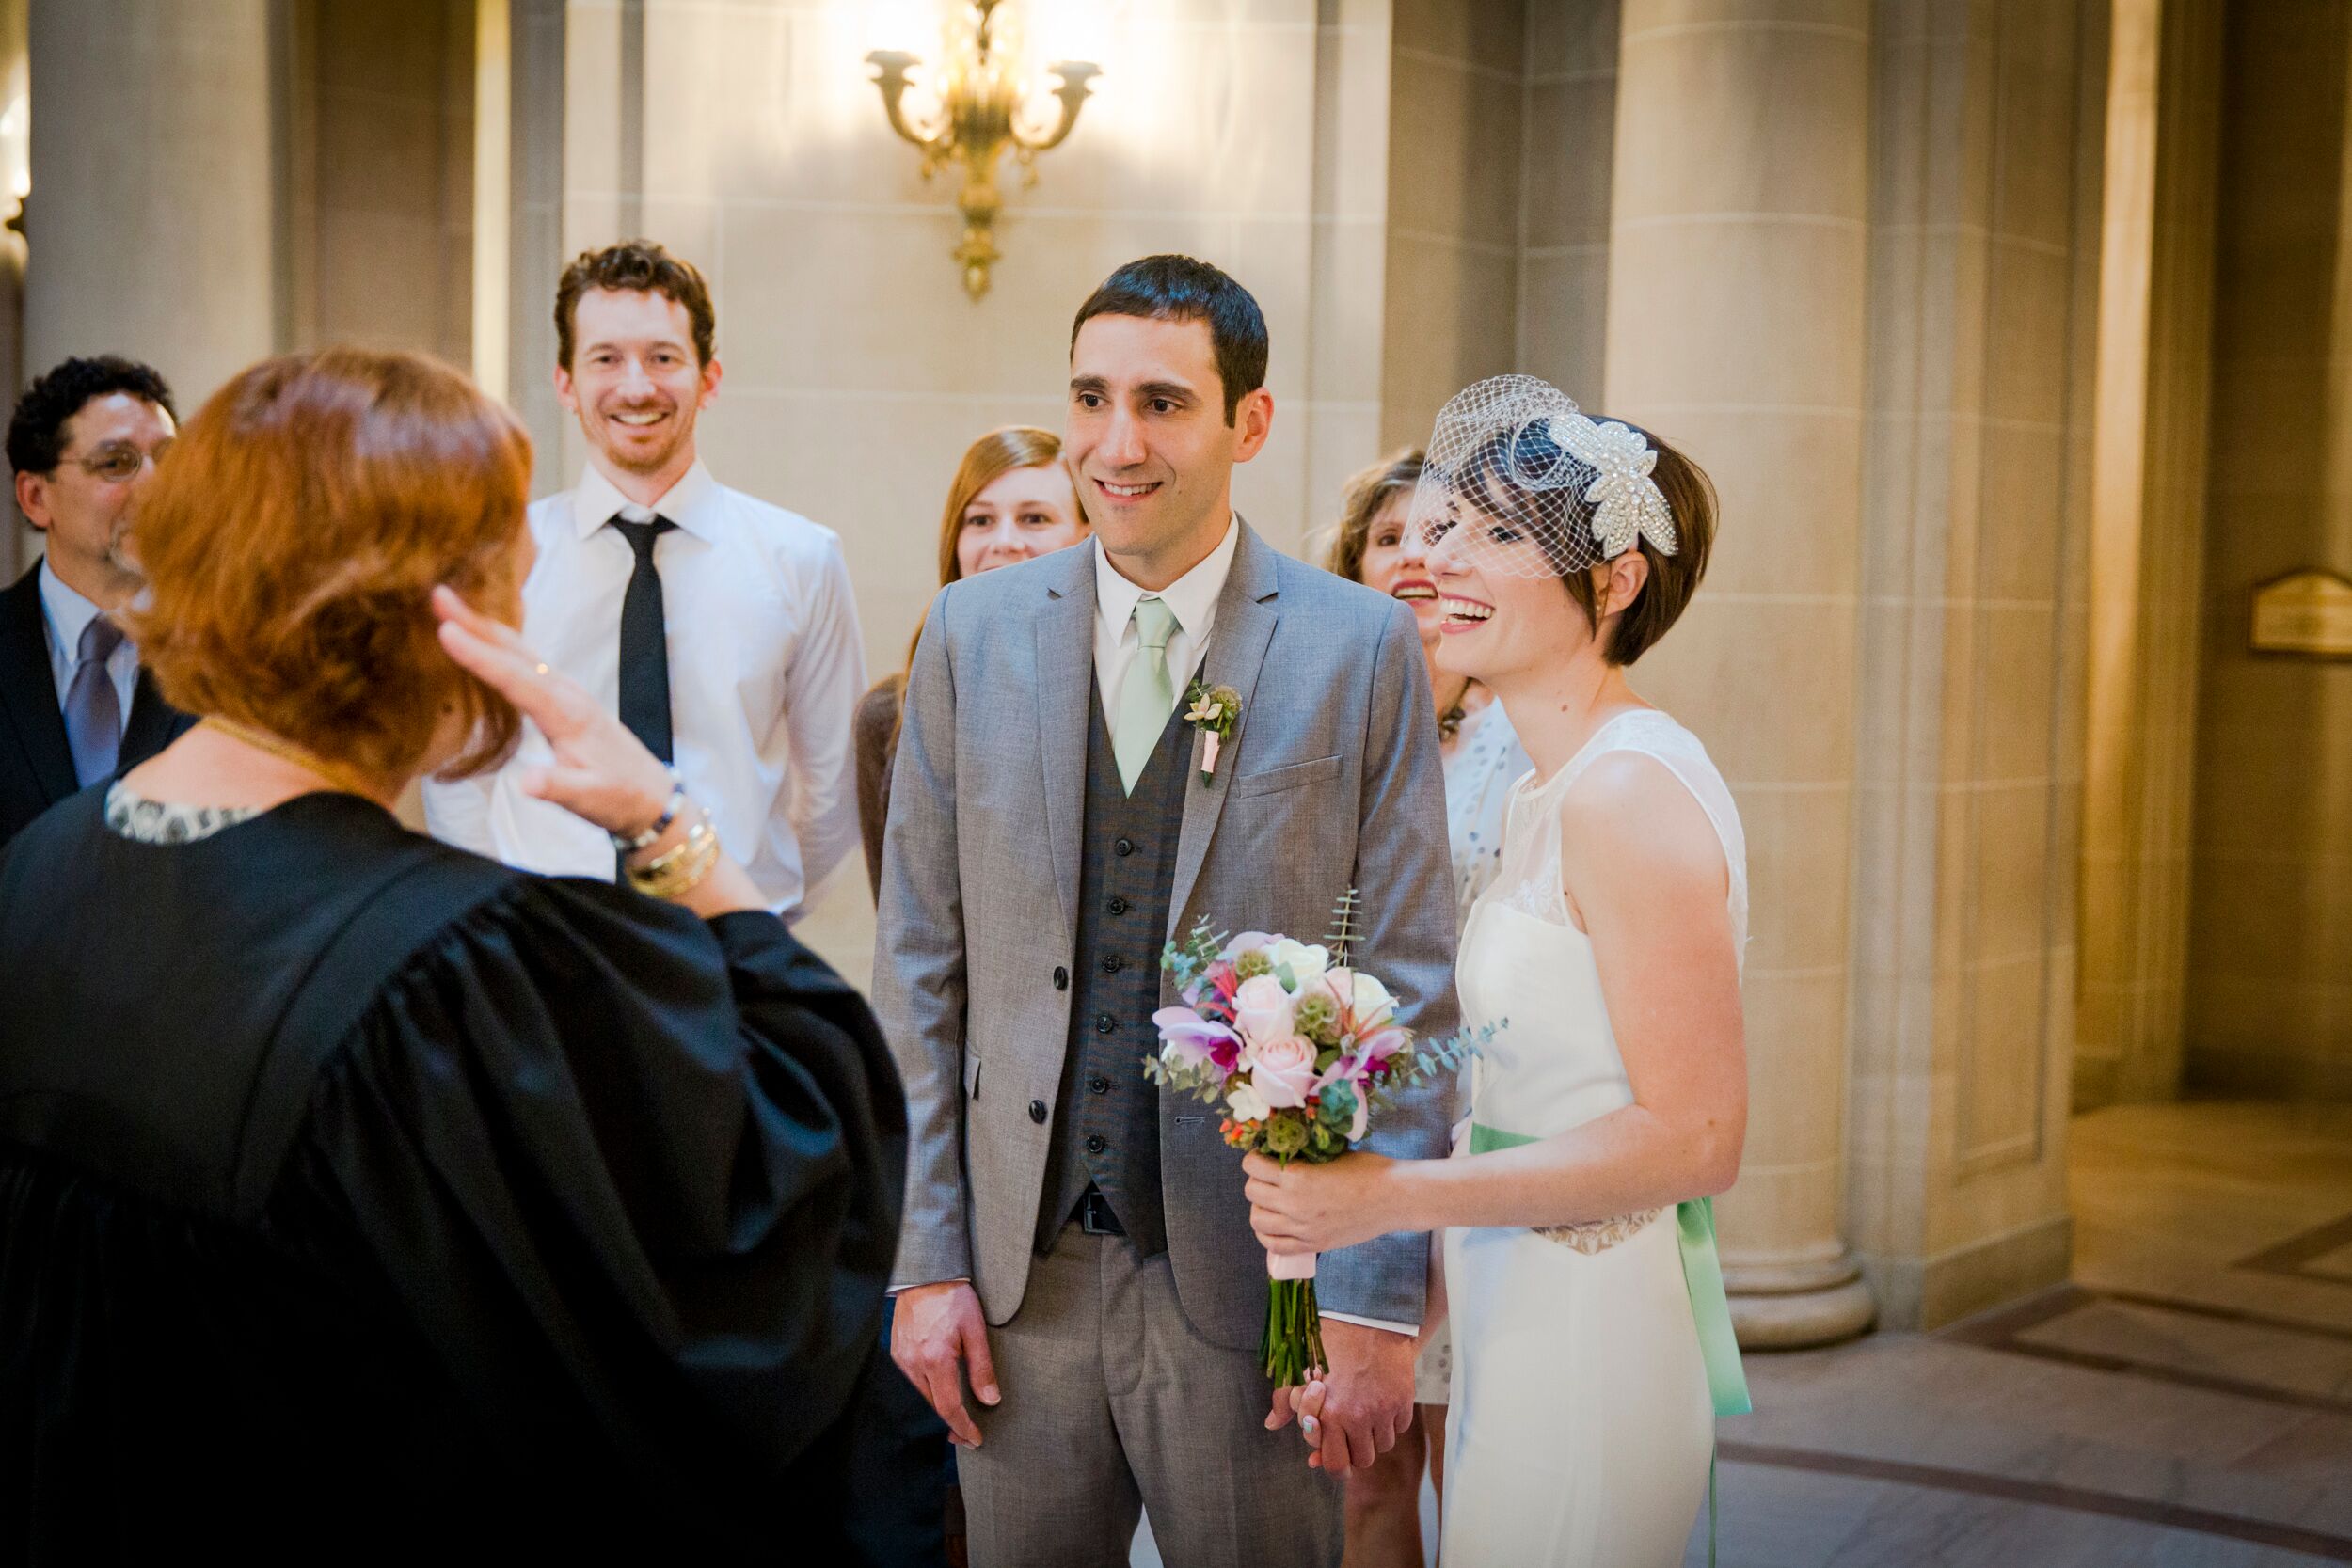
(75, 706)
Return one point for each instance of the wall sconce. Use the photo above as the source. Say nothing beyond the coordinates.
(984, 107)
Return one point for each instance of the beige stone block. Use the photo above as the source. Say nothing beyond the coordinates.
(1767, 1214)
(2255, 916)
(1767, 685)
(1571, 129)
(379, 282)
(2035, 195)
(1740, 120)
(1571, 38)
(1450, 321)
(1563, 321)
(1454, 152)
(1339, 443)
(1642, 16)
(870, 300)
(382, 49)
(2021, 528)
(1271, 489)
(590, 222)
(2011, 875)
(1778, 477)
(1274, 259)
(2025, 375)
(1488, 33)
(380, 153)
(1797, 916)
(592, 83)
(1350, 134)
(2017, 692)
(1346, 305)
(1764, 314)
(690, 228)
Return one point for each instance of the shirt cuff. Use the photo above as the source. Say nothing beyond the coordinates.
(1408, 1330)
(897, 1290)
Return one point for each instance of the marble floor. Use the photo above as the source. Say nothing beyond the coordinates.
(2186, 1402)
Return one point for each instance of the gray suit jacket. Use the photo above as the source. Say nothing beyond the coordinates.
(1332, 781)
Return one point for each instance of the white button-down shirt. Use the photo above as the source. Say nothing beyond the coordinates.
(766, 665)
(1193, 599)
(68, 615)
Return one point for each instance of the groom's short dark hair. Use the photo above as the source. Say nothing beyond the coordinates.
(1178, 288)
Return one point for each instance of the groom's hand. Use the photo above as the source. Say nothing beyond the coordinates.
(1367, 1398)
(934, 1330)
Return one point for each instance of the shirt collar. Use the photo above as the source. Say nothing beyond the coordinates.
(69, 611)
(1192, 597)
(692, 504)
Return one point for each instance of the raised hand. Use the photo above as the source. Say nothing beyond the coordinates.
(935, 1332)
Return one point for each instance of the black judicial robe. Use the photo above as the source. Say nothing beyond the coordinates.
(361, 1197)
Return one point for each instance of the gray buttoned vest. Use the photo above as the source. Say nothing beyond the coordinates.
(1106, 1122)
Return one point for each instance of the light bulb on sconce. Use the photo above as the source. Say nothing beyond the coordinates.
(972, 108)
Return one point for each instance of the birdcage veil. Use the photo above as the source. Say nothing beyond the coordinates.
(1523, 484)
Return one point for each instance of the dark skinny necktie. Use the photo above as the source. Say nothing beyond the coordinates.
(644, 641)
(93, 711)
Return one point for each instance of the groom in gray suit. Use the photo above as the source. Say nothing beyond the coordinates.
(1076, 1255)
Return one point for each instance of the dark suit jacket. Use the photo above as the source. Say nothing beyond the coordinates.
(36, 765)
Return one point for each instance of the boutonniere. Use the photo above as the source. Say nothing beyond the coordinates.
(1215, 711)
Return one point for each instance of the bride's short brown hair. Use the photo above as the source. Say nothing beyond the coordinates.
(293, 539)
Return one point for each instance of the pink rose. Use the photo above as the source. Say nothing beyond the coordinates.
(1262, 1009)
(1282, 1069)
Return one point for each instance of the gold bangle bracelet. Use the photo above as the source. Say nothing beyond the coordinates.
(682, 866)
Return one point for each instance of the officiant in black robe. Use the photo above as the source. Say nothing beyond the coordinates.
(361, 1197)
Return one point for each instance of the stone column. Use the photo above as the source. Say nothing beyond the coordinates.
(151, 225)
(1737, 269)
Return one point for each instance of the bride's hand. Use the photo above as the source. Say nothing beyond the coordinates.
(1302, 1207)
(602, 772)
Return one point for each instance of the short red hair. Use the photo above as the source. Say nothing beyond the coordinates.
(292, 542)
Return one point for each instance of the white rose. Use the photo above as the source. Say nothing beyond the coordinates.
(1304, 962)
(1262, 1009)
(1372, 1004)
(1245, 1103)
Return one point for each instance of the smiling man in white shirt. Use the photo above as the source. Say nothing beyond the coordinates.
(720, 628)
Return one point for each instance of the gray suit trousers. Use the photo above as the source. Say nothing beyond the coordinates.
(1112, 1404)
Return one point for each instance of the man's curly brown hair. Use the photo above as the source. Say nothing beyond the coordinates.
(635, 266)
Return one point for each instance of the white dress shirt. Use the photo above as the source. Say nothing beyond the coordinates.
(766, 665)
(67, 613)
(1192, 598)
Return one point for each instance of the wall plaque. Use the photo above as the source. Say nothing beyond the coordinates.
(2304, 613)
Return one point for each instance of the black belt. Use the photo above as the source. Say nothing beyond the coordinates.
(1095, 1217)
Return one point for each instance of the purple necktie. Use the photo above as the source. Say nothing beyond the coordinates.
(93, 714)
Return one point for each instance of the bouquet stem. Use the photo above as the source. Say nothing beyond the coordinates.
(1291, 1347)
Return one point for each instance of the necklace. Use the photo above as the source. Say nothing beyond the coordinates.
(1450, 719)
(344, 778)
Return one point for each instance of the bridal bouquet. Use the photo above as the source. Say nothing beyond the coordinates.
(1302, 1048)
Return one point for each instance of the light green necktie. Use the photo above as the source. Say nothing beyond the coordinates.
(1147, 695)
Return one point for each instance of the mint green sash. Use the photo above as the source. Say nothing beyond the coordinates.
(1702, 1276)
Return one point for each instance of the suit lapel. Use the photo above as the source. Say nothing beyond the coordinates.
(1246, 617)
(154, 723)
(1064, 630)
(28, 688)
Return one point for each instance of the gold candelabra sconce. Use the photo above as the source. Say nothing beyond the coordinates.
(985, 107)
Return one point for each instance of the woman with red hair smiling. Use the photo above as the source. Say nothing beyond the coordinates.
(354, 1189)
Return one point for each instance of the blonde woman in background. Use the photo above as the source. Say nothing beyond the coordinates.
(1482, 759)
(1012, 501)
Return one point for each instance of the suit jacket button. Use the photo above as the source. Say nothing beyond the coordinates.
(1062, 978)
(1037, 1111)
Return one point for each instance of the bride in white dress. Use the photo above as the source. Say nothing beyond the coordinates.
(1592, 1343)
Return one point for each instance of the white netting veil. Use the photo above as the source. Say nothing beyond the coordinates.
(1519, 482)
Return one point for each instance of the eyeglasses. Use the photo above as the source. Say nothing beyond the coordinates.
(119, 465)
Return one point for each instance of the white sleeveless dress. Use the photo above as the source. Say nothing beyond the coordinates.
(1582, 1425)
